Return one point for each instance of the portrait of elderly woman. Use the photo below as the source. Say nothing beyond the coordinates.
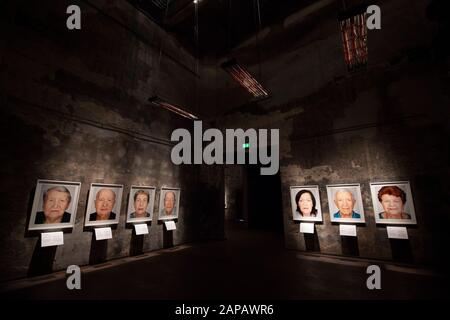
(140, 203)
(306, 203)
(56, 202)
(54, 205)
(392, 202)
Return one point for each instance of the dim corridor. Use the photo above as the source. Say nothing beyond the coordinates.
(249, 264)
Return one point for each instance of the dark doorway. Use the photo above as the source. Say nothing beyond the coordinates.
(264, 205)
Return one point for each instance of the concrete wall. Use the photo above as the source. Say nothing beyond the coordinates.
(386, 123)
(74, 107)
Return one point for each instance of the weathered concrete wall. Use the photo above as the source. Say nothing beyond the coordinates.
(387, 123)
(74, 107)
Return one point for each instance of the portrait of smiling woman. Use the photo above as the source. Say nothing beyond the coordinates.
(305, 203)
(392, 202)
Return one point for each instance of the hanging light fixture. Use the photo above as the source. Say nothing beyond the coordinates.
(244, 78)
(353, 27)
(155, 100)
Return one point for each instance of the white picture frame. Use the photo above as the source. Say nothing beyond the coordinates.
(393, 193)
(42, 204)
(162, 213)
(135, 207)
(91, 217)
(345, 192)
(311, 192)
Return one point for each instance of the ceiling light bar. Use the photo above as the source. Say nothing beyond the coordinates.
(244, 78)
(354, 37)
(169, 106)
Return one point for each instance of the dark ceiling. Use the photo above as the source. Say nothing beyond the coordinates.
(222, 24)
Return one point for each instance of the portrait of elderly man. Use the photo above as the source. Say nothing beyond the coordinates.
(169, 208)
(141, 200)
(105, 201)
(344, 200)
(56, 201)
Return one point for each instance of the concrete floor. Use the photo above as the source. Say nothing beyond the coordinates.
(248, 265)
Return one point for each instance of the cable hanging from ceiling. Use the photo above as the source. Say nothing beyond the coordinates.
(258, 47)
(155, 99)
(157, 70)
(197, 53)
(239, 73)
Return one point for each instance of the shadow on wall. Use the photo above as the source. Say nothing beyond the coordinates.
(350, 246)
(136, 244)
(311, 242)
(167, 238)
(42, 260)
(401, 250)
(99, 250)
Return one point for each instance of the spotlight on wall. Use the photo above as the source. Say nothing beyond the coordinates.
(244, 78)
(156, 101)
(354, 36)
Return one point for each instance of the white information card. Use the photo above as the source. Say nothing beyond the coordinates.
(103, 233)
(347, 230)
(49, 239)
(397, 232)
(306, 227)
(141, 228)
(170, 225)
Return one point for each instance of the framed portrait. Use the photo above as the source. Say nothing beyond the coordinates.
(393, 202)
(104, 203)
(169, 203)
(140, 203)
(345, 203)
(305, 203)
(55, 205)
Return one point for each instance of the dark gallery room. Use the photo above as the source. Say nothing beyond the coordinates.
(203, 152)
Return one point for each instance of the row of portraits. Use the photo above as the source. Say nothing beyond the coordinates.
(392, 203)
(55, 204)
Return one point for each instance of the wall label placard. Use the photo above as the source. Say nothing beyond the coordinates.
(397, 232)
(49, 239)
(307, 227)
(170, 225)
(348, 230)
(141, 228)
(103, 233)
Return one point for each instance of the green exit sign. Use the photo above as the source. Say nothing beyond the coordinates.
(246, 146)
